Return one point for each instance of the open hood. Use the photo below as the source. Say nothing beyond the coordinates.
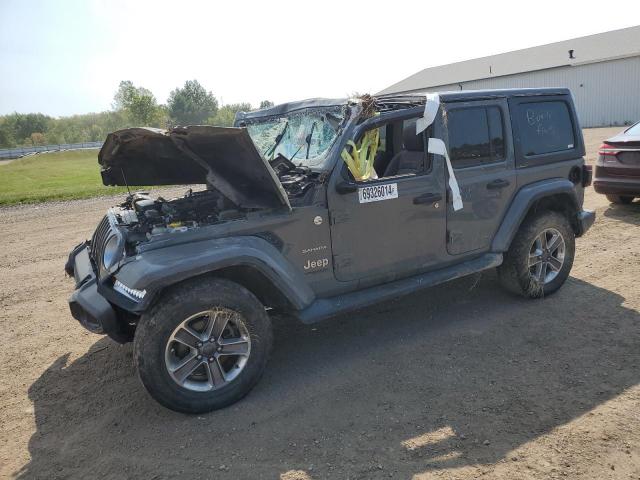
(224, 158)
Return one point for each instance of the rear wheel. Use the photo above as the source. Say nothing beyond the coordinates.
(203, 346)
(620, 199)
(540, 257)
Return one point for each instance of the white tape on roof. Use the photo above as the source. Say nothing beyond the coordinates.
(437, 146)
(430, 111)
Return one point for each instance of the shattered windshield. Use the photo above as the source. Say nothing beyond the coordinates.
(304, 137)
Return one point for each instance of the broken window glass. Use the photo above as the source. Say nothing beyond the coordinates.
(304, 137)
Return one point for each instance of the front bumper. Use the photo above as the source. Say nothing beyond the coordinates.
(584, 221)
(87, 306)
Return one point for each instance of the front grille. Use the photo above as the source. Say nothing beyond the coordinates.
(99, 240)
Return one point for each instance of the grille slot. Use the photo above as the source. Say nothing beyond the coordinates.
(99, 240)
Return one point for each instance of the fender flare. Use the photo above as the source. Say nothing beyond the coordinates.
(155, 270)
(521, 204)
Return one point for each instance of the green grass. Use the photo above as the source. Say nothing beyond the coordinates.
(53, 176)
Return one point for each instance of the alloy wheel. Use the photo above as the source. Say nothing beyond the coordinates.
(208, 350)
(546, 256)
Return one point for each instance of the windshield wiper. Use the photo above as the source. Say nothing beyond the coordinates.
(279, 138)
(309, 138)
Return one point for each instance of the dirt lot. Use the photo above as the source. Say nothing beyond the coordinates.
(460, 381)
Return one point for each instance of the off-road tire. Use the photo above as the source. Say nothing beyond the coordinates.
(514, 273)
(620, 199)
(156, 327)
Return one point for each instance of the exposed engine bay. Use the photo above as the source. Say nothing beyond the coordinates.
(266, 163)
(239, 179)
(146, 217)
(297, 180)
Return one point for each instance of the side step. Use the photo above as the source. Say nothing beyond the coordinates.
(328, 307)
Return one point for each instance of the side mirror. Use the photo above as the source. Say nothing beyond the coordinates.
(437, 147)
(346, 187)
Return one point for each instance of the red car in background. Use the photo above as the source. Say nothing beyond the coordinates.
(617, 172)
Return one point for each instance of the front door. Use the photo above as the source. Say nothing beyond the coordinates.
(482, 157)
(389, 227)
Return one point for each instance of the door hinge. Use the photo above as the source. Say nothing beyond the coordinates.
(342, 261)
(453, 237)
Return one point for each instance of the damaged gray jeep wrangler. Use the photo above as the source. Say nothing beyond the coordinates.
(317, 208)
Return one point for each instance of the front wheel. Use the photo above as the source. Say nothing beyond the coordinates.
(540, 257)
(203, 346)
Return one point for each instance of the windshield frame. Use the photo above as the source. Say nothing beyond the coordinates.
(326, 160)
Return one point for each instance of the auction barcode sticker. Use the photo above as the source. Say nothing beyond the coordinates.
(375, 193)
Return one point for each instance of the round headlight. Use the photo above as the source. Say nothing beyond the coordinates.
(111, 252)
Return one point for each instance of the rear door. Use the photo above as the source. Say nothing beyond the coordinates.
(481, 151)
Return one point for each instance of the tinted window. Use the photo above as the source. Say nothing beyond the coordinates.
(545, 127)
(475, 136)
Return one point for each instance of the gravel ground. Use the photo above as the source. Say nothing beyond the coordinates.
(459, 381)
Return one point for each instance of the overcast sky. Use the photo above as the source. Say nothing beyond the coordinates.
(65, 57)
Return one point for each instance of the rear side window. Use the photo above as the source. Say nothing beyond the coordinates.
(545, 127)
(476, 136)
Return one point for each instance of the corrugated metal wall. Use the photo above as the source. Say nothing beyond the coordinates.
(605, 93)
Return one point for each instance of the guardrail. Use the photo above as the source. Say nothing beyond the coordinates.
(9, 153)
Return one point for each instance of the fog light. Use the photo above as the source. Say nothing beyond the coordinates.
(132, 293)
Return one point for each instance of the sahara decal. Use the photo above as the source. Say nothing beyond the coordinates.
(313, 249)
(376, 193)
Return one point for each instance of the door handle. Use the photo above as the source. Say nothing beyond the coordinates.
(427, 198)
(499, 183)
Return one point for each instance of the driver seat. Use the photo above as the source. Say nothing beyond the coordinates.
(412, 156)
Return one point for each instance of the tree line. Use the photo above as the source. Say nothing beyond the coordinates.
(132, 106)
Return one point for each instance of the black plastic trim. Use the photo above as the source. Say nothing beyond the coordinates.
(521, 203)
(329, 307)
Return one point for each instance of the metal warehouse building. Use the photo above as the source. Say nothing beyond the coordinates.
(602, 71)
